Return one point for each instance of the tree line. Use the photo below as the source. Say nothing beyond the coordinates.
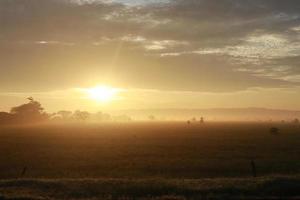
(33, 112)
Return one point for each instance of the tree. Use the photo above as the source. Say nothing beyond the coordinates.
(65, 115)
(202, 120)
(81, 115)
(6, 118)
(29, 112)
(151, 117)
(100, 116)
(122, 118)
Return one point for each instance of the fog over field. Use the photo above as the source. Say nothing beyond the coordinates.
(216, 114)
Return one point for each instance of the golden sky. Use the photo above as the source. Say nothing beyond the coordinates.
(152, 54)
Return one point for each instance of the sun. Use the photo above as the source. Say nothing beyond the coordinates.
(102, 93)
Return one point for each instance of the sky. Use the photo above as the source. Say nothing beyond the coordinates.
(156, 54)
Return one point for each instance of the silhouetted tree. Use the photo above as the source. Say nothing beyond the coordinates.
(81, 115)
(296, 121)
(202, 120)
(65, 115)
(122, 118)
(106, 117)
(151, 117)
(29, 112)
(6, 118)
(100, 116)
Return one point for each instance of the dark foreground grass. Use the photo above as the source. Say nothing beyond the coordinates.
(161, 189)
(141, 161)
(148, 150)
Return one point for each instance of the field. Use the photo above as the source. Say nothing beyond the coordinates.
(155, 159)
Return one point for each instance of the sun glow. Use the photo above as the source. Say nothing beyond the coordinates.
(102, 93)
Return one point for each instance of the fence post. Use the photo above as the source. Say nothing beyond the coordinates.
(23, 171)
(253, 166)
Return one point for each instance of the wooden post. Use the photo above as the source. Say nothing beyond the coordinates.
(253, 166)
(23, 171)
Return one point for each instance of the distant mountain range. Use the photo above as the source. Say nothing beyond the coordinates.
(216, 114)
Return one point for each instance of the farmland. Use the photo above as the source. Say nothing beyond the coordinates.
(147, 151)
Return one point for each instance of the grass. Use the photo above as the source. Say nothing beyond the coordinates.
(167, 189)
(149, 161)
(167, 150)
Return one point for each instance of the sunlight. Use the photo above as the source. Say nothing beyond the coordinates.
(102, 93)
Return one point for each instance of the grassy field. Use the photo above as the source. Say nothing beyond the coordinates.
(133, 152)
(140, 150)
(152, 189)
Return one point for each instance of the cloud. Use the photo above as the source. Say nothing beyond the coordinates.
(191, 45)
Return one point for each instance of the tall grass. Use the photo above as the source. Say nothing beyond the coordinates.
(222, 188)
